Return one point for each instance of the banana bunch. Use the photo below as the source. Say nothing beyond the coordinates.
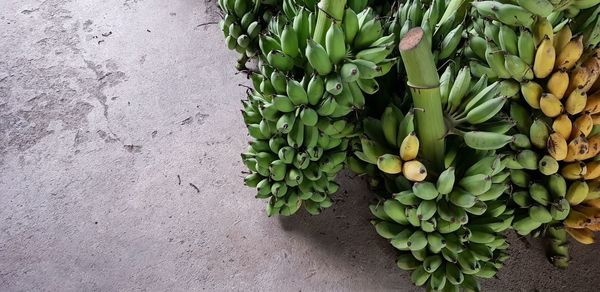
(448, 232)
(296, 152)
(354, 52)
(473, 108)
(301, 110)
(391, 145)
(442, 21)
(242, 22)
(553, 159)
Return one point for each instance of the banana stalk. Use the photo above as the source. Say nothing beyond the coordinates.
(424, 83)
(328, 10)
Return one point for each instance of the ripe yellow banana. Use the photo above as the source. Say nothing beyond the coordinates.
(577, 192)
(593, 148)
(563, 126)
(409, 147)
(570, 54)
(558, 83)
(578, 148)
(593, 170)
(562, 38)
(542, 29)
(593, 103)
(545, 56)
(414, 170)
(580, 77)
(582, 126)
(576, 101)
(557, 146)
(574, 171)
(550, 105)
(592, 203)
(584, 236)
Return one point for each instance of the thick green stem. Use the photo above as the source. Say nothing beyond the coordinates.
(328, 10)
(424, 83)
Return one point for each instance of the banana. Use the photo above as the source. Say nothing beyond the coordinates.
(296, 93)
(551, 105)
(437, 281)
(496, 60)
(526, 225)
(476, 184)
(518, 69)
(390, 164)
(409, 147)
(526, 46)
(388, 230)
(315, 89)
(390, 125)
(426, 210)
(539, 134)
(486, 140)
(514, 15)
(539, 193)
(459, 89)
(519, 178)
(542, 8)
(445, 182)
(436, 242)
(408, 262)
(335, 43)
(289, 41)
(395, 211)
(577, 192)
(542, 29)
(425, 190)
(419, 276)
(462, 199)
(584, 236)
(508, 40)
(563, 126)
(570, 54)
(532, 93)
(574, 171)
(548, 165)
(450, 42)
(414, 171)
(558, 84)
(593, 170)
(562, 38)
(369, 32)
(486, 110)
(318, 58)
(545, 58)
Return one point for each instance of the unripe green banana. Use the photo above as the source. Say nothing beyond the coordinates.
(461, 198)
(548, 165)
(369, 32)
(518, 69)
(435, 242)
(388, 230)
(540, 213)
(425, 190)
(539, 133)
(426, 209)
(450, 42)
(408, 262)
(539, 194)
(289, 41)
(459, 89)
(557, 186)
(350, 25)
(445, 182)
(318, 58)
(486, 140)
(335, 43)
(508, 40)
(315, 89)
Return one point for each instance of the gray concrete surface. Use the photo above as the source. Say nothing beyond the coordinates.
(109, 110)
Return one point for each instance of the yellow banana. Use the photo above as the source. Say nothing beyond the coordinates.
(532, 92)
(592, 66)
(570, 54)
(414, 170)
(593, 145)
(545, 56)
(558, 84)
(563, 126)
(582, 126)
(557, 146)
(573, 171)
(592, 203)
(576, 101)
(550, 105)
(584, 236)
(578, 148)
(542, 29)
(592, 104)
(593, 172)
(596, 119)
(409, 147)
(580, 77)
(389, 163)
(577, 192)
(562, 38)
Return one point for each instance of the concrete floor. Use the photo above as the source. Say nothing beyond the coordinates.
(109, 111)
